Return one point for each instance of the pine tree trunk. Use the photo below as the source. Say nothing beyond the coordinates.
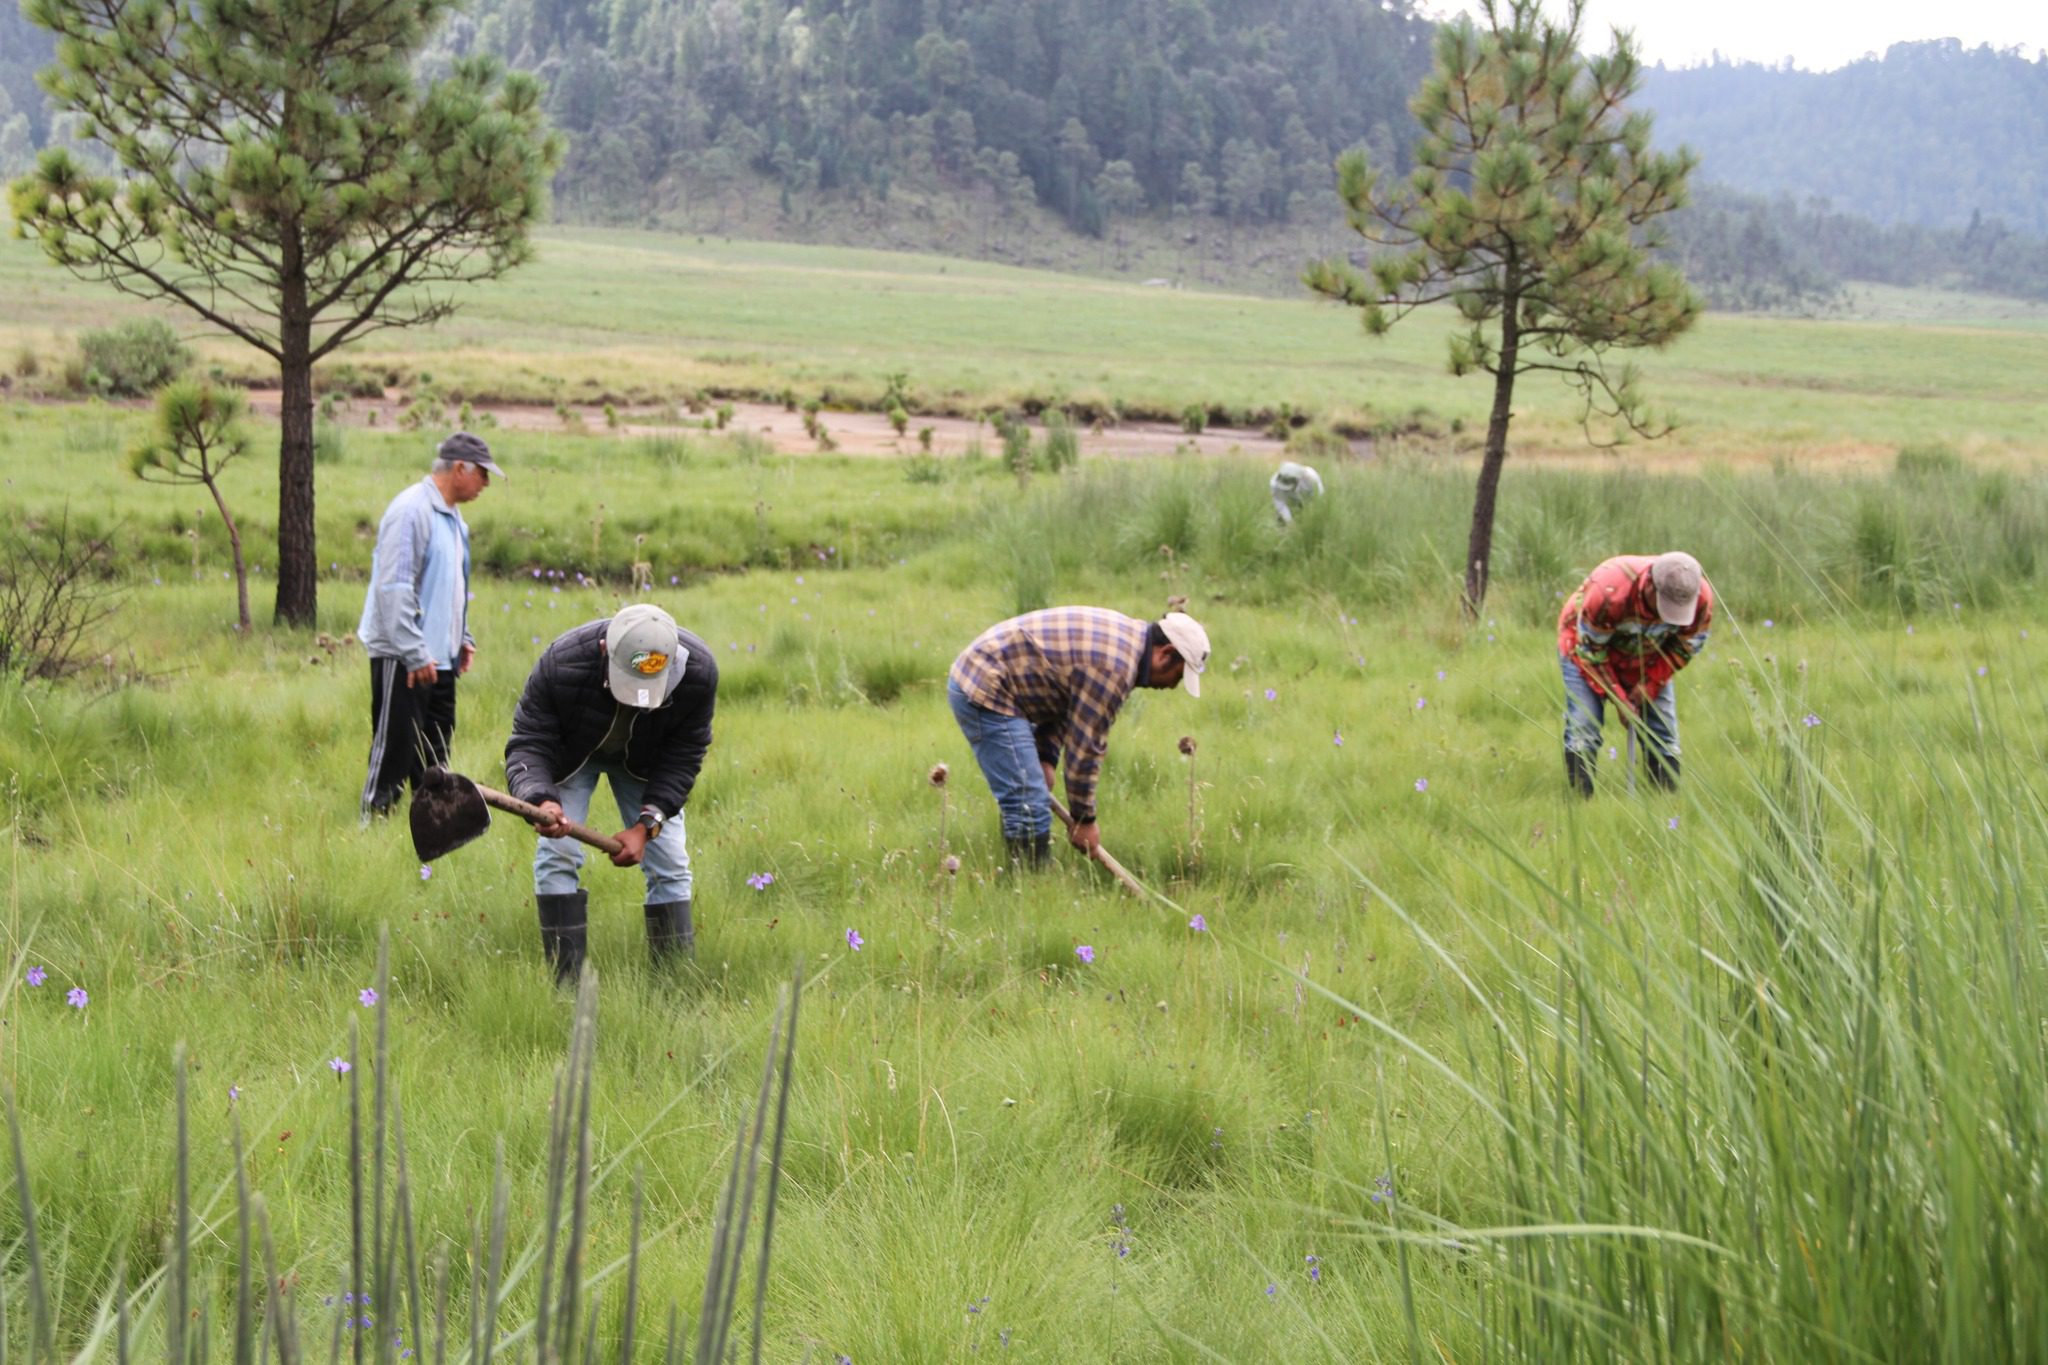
(1479, 549)
(298, 557)
(234, 547)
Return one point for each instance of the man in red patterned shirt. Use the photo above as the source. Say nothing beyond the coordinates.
(1049, 684)
(1634, 622)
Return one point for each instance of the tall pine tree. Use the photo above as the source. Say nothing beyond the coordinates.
(1529, 211)
(284, 177)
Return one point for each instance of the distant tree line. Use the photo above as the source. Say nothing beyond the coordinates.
(1931, 132)
(1091, 108)
(1922, 167)
(1748, 251)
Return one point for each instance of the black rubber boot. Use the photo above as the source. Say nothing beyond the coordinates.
(1040, 856)
(1578, 770)
(1661, 767)
(564, 931)
(671, 937)
(1016, 853)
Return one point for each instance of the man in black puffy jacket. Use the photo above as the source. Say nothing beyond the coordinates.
(628, 698)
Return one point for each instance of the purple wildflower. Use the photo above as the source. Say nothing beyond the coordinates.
(1271, 695)
(1422, 784)
(76, 998)
(1337, 738)
(1982, 670)
(1383, 1188)
(1768, 623)
(1672, 823)
(36, 976)
(761, 881)
(1810, 720)
(426, 873)
(340, 1066)
(367, 995)
(1315, 1268)
(1271, 1290)
(854, 940)
(1085, 952)
(1199, 924)
(1439, 675)
(234, 1093)
(1421, 702)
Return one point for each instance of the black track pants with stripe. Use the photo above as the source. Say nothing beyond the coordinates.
(409, 730)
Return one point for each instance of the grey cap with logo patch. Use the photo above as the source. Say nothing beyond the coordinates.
(644, 657)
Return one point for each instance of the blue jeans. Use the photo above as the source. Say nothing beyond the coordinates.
(1585, 710)
(666, 863)
(1008, 754)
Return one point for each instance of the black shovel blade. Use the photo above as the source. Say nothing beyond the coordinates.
(447, 812)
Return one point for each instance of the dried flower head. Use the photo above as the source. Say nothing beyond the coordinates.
(939, 773)
(1187, 745)
(951, 867)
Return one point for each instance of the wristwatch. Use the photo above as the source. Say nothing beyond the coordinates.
(652, 820)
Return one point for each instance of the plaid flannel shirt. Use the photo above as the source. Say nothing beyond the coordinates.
(1611, 625)
(1066, 670)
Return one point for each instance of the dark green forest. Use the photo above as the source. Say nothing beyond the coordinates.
(1210, 122)
(1932, 133)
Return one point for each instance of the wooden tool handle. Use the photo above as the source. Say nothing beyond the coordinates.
(1101, 854)
(533, 816)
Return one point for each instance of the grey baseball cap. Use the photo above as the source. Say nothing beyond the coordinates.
(644, 658)
(470, 449)
(1676, 576)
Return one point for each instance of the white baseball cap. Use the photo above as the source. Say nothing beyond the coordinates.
(645, 658)
(1676, 576)
(1191, 642)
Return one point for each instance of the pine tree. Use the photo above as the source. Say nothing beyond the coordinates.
(283, 176)
(1529, 212)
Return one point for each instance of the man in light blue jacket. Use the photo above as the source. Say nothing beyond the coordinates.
(415, 623)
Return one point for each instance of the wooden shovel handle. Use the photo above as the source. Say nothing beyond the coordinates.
(1102, 854)
(533, 816)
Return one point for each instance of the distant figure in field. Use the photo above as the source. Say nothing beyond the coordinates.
(415, 623)
(628, 699)
(1047, 685)
(1293, 484)
(1634, 622)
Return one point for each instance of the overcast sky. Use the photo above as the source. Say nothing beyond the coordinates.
(1816, 34)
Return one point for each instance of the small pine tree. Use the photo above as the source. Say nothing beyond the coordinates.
(195, 434)
(1530, 212)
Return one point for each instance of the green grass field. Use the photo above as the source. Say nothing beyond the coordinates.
(643, 316)
(1754, 1070)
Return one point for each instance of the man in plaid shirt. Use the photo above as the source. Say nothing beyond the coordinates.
(1047, 685)
(1634, 622)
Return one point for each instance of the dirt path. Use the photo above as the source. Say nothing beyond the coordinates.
(853, 433)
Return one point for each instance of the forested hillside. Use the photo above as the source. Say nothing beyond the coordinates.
(1093, 108)
(1193, 139)
(1931, 133)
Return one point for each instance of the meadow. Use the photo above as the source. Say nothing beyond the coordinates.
(1454, 1068)
(642, 317)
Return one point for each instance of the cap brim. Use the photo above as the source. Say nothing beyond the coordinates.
(636, 690)
(1677, 613)
(1191, 680)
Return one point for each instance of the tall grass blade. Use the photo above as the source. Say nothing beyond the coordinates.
(582, 1066)
(245, 1293)
(494, 1277)
(796, 987)
(356, 1278)
(181, 1220)
(402, 1211)
(627, 1317)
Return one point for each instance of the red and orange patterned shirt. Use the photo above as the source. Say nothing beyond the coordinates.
(1611, 625)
